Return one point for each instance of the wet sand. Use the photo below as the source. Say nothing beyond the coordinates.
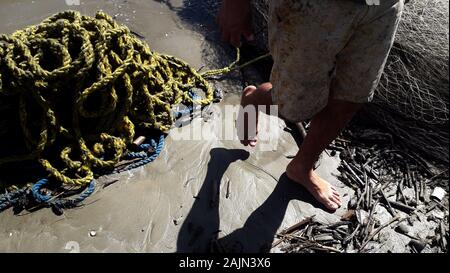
(196, 191)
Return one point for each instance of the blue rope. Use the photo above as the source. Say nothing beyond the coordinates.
(61, 202)
(36, 191)
(145, 156)
(11, 198)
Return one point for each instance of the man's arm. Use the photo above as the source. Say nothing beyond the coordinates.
(235, 21)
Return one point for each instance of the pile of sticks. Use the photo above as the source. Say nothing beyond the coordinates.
(382, 175)
(351, 234)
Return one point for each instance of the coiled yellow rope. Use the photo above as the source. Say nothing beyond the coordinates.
(73, 88)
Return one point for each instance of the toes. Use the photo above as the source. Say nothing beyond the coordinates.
(334, 191)
(252, 141)
(245, 142)
(331, 202)
(336, 200)
(332, 206)
(249, 88)
(336, 194)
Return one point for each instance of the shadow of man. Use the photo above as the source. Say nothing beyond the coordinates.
(199, 231)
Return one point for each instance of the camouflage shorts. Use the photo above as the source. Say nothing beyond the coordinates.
(326, 49)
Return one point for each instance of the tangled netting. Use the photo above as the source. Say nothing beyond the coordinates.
(412, 98)
(74, 89)
(260, 17)
(417, 72)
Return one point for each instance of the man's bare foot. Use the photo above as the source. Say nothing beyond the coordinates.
(247, 123)
(323, 191)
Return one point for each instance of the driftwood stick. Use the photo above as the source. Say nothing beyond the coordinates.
(443, 241)
(227, 195)
(388, 205)
(382, 186)
(285, 237)
(277, 242)
(422, 190)
(417, 187)
(348, 238)
(109, 183)
(373, 234)
(361, 198)
(434, 177)
(327, 248)
(400, 206)
(303, 222)
(368, 189)
(370, 223)
(369, 230)
(338, 224)
(335, 148)
(408, 176)
(400, 190)
(371, 173)
(310, 244)
(347, 166)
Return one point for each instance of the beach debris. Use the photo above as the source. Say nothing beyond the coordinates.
(438, 194)
(438, 214)
(417, 245)
(137, 34)
(217, 94)
(228, 193)
(349, 215)
(310, 235)
(391, 190)
(92, 233)
(109, 183)
(298, 225)
(403, 229)
(138, 141)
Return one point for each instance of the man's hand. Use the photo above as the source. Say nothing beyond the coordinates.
(235, 21)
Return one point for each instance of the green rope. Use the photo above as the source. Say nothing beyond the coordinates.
(74, 88)
(233, 66)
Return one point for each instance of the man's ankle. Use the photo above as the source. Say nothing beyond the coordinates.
(300, 168)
